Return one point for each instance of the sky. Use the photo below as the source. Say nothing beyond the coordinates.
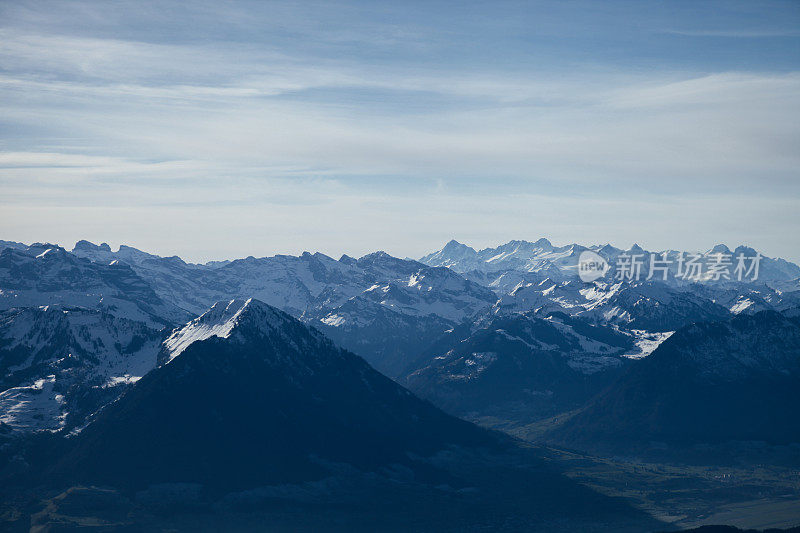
(225, 129)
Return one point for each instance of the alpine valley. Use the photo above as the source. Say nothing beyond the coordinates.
(468, 390)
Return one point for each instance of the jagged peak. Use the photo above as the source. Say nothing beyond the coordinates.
(83, 244)
(719, 249)
(607, 247)
(125, 247)
(746, 250)
(453, 249)
(131, 252)
(42, 250)
(347, 260)
(380, 254)
(453, 244)
(222, 319)
(44, 245)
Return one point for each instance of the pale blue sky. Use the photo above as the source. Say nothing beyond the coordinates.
(228, 129)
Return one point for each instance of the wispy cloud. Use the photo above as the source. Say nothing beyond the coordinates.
(279, 124)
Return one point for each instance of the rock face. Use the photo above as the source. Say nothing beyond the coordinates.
(709, 383)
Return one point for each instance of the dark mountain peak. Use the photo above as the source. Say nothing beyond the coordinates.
(745, 250)
(375, 256)
(720, 249)
(513, 245)
(174, 260)
(452, 253)
(317, 258)
(453, 246)
(609, 249)
(126, 248)
(88, 246)
(40, 248)
(381, 262)
(636, 249)
(347, 260)
(253, 398)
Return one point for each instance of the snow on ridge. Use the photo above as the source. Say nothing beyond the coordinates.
(216, 322)
(646, 342)
(333, 320)
(222, 320)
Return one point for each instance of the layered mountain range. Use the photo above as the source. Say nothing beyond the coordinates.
(515, 318)
(254, 416)
(262, 381)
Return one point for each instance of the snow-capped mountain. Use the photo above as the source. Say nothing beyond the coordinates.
(514, 255)
(379, 306)
(391, 322)
(251, 396)
(301, 284)
(650, 305)
(46, 274)
(60, 364)
(749, 298)
(238, 321)
(288, 282)
(183, 284)
(560, 262)
(709, 383)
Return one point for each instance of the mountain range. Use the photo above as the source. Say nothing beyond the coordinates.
(411, 320)
(253, 415)
(262, 381)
